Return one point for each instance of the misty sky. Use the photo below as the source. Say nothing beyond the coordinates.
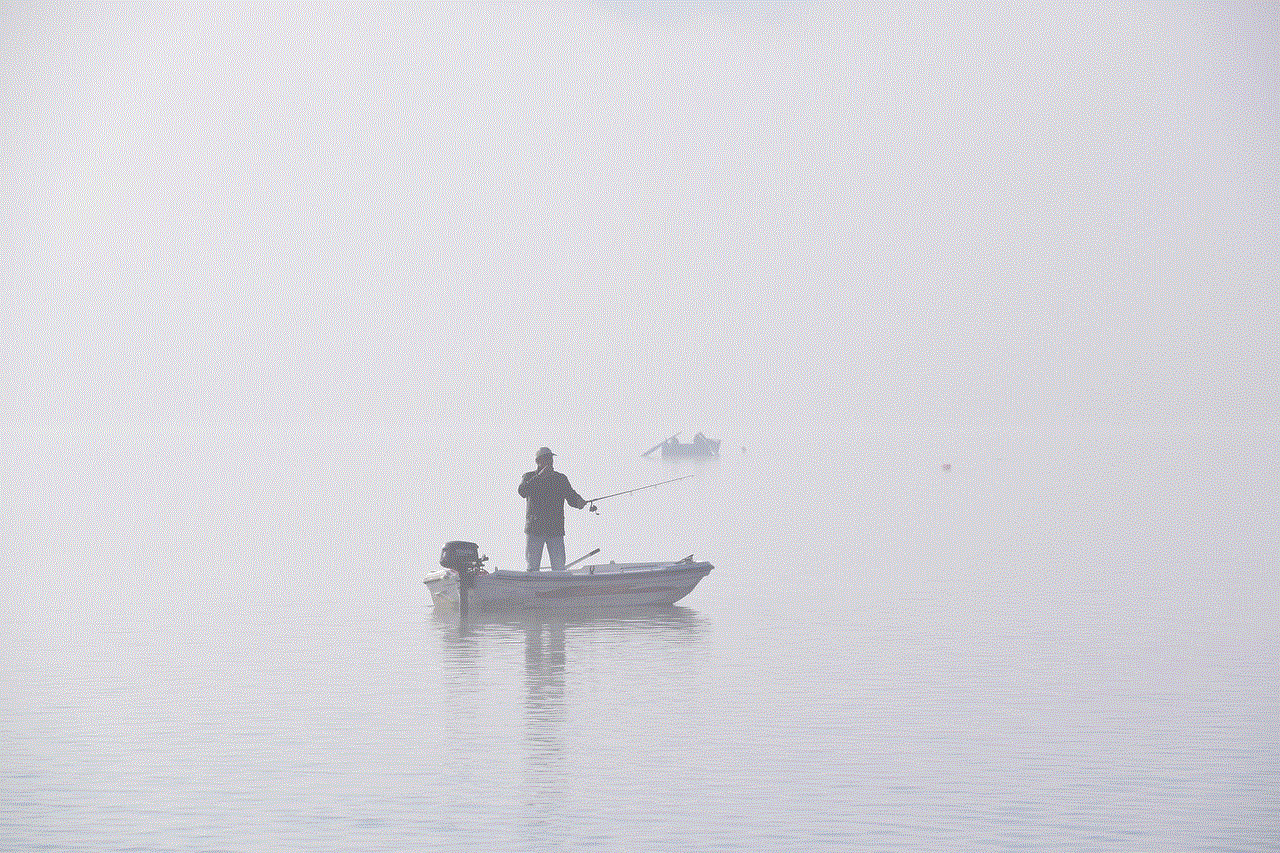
(740, 218)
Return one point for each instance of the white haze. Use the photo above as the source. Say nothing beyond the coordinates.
(291, 293)
(361, 239)
(577, 224)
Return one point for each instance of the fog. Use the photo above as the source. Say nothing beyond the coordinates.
(291, 294)
(346, 266)
(586, 224)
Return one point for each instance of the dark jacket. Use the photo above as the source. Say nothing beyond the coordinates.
(547, 495)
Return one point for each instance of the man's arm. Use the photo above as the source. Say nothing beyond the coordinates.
(524, 488)
(572, 498)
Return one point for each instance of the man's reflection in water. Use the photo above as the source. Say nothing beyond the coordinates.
(547, 647)
(544, 720)
(548, 641)
(544, 667)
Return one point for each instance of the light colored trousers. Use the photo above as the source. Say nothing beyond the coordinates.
(555, 552)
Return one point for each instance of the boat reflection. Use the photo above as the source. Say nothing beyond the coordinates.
(483, 643)
(666, 620)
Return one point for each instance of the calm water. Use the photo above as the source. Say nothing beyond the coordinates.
(221, 641)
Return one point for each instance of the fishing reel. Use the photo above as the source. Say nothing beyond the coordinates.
(592, 508)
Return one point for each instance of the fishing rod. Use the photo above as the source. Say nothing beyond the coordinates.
(592, 502)
(583, 557)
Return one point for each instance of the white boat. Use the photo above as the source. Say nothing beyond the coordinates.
(607, 585)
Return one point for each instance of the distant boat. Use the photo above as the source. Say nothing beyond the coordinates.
(610, 585)
(701, 446)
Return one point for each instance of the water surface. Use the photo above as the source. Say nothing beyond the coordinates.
(222, 642)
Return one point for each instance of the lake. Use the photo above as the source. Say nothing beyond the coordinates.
(219, 640)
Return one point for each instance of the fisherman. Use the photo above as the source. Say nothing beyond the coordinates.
(546, 491)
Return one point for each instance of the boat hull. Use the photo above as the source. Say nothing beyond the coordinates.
(687, 451)
(612, 585)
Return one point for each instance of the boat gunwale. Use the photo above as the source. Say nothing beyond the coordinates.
(666, 570)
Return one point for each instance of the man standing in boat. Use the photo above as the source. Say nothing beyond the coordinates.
(546, 491)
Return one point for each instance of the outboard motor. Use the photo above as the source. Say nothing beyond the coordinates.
(461, 555)
(464, 558)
